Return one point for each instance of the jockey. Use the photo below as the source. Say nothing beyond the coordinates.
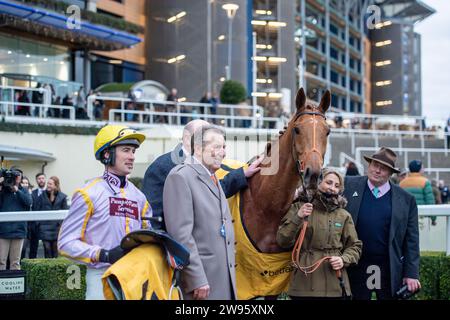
(105, 209)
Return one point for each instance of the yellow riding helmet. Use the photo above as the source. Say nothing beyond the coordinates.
(112, 135)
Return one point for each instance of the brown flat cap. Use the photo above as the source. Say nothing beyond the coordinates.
(384, 156)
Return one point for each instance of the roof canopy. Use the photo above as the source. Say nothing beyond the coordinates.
(412, 11)
(16, 153)
(51, 24)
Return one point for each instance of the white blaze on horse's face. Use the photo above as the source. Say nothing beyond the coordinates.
(312, 130)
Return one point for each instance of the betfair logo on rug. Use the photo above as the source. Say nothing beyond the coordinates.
(270, 273)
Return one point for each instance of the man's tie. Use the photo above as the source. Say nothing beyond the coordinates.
(375, 192)
(214, 179)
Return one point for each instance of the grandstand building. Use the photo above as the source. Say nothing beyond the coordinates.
(71, 43)
(279, 46)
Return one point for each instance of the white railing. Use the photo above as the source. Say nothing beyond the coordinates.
(170, 112)
(424, 211)
(343, 158)
(374, 120)
(405, 151)
(9, 109)
(436, 171)
(399, 135)
(10, 91)
(176, 118)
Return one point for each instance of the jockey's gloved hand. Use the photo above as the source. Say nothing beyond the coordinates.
(111, 256)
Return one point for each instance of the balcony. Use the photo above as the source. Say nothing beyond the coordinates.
(27, 18)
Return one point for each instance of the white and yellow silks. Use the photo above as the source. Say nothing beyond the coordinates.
(257, 274)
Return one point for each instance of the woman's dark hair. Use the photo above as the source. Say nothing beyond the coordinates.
(352, 169)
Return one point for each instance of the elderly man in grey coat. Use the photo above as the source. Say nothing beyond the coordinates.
(197, 215)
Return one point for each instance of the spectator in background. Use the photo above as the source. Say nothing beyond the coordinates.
(423, 123)
(129, 116)
(99, 105)
(81, 112)
(436, 192)
(447, 131)
(339, 121)
(37, 97)
(33, 236)
(26, 185)
(173, 95)
(23, 110)
(419, 186)
(352, 169)
(214, 104)
(397, 178)
(12, 234)
(81, 98)
(444, 191)
(205, 99)
(51, 199)
(67, 101)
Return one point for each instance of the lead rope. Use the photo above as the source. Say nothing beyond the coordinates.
(311, 268)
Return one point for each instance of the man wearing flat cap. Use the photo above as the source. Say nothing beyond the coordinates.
(386, 220)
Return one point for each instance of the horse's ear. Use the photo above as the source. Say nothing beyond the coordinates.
(325, 102)
(300, 99)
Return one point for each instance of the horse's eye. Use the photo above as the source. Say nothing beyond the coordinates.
(297, 130)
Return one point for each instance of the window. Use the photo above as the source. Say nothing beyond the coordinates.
(343, 80)
(333, 53)
(334, 29)
(334, 77)
(334, 101)
(351, 40)
(107, 13)
(324, 72)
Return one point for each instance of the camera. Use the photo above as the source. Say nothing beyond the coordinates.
(9, 178)
(403, 293)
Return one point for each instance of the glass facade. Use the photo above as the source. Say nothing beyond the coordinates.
(29, 57)
(103, 71)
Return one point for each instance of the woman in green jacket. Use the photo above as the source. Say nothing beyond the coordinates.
(330, 233)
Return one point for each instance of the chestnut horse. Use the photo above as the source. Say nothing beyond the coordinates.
(296, 156)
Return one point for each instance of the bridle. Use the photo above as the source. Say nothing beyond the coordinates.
(295, 255)
(300, 164)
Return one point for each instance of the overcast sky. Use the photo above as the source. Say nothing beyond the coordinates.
(435, 31)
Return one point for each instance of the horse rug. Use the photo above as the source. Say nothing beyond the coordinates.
(257, 274)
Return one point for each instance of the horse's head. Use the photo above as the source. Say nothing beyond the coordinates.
(309, 135)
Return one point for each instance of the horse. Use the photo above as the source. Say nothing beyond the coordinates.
(298, 155)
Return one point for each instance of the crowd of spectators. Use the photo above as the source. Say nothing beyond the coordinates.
(20, 240)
